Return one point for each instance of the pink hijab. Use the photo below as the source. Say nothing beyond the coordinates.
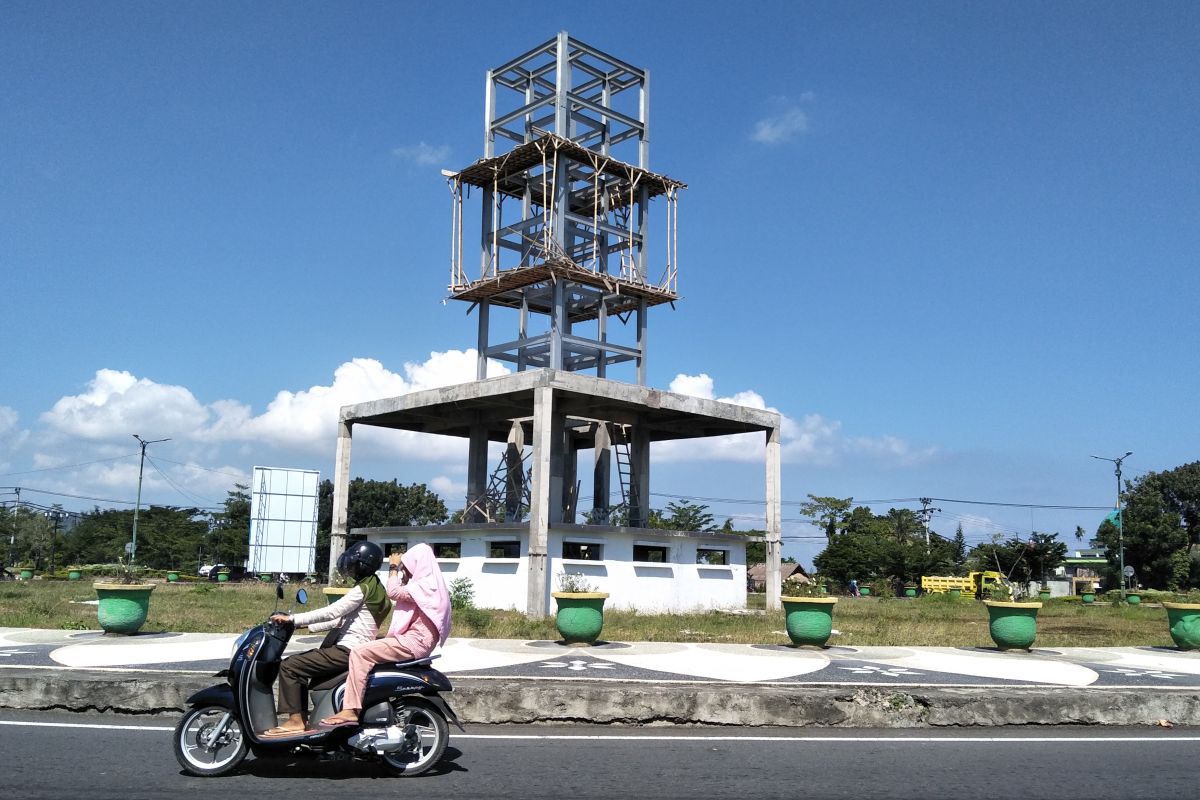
(428, 590)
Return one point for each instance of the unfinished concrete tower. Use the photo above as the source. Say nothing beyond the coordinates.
(564, 246)
(567, 273)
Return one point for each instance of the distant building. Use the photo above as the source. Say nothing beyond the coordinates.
(757, 575)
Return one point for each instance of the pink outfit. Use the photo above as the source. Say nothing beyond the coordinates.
(420, 621)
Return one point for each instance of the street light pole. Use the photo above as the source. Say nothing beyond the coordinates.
(138, 507)
(1120, 528)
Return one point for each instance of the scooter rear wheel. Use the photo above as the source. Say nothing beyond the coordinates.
(429, 732)
(206, 747)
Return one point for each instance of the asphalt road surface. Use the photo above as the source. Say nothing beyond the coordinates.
(54, 755)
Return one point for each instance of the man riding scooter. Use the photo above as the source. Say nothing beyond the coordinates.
(351, 621)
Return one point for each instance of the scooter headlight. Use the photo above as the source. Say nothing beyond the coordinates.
(240, 641)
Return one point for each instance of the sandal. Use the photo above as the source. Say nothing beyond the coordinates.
(336, 722)
(277, 732)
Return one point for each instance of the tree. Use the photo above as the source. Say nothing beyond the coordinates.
(875, 547)
(958, 551)
(1160, 529)
(827, 513)
(1019, 560)
(167, 537)
(229, 534)
(30, 533)
(686, 517)
(375, 504)
(904, 523)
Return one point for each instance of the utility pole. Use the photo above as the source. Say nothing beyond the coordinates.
(926, 512)
(138, 507)
(12, 537)
(1120, 528)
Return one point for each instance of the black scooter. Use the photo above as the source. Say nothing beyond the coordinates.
(403, 723)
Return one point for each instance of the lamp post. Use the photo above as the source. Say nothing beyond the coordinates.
(1120, 531)
(138, 507)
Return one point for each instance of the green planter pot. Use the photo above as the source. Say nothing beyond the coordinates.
(580, 616)
(26, 573)
(865, 591)
(910, 591)
(1013, 626)
(809, 620)
(74, 574)
(123, 606)
(173, 577)
(954, 593)
(1044, 595)
(222, 577)
(1184, 621)
(1133, 598)
(265, 577)
(1089, 597)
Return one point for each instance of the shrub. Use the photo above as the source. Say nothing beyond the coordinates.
(1000, 593)
(462, 594)
(574, 582)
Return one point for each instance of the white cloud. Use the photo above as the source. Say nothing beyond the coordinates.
(8, 420)
(785, 124)
(423, 155)
(117, 404)
(451, 491)
(10, 436)
(693, 385)
(812, 440)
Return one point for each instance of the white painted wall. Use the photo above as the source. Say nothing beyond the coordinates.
(677, 585)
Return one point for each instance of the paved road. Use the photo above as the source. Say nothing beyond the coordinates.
(54, 755)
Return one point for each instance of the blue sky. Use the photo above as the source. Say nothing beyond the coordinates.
(955, 244)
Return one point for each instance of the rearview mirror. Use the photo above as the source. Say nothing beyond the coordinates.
(301, 596)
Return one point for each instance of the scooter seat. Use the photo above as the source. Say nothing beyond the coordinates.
(335, 680)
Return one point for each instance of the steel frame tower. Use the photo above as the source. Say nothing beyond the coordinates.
(564, 221)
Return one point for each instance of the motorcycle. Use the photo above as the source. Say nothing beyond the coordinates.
(403, 724)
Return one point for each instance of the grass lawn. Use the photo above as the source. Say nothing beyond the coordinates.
(934, 621)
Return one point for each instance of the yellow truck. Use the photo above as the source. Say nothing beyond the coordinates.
(974, 584)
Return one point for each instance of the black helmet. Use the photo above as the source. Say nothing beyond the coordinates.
(360, 560)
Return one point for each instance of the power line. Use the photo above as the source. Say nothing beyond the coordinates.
(68, 466)
(732, 500)
(176, 486)
(204, 469)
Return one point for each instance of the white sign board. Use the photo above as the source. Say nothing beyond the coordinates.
(283, 520)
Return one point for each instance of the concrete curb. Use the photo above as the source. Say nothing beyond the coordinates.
(485, 701)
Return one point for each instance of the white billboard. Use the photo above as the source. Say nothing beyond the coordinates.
(283, 520)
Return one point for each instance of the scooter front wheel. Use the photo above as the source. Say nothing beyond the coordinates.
(426, 735)
(209, 741)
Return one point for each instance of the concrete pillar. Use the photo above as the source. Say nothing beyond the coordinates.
(341, 496)
(570, 477)
(602, 475)
(477, 451)
(774, 513)
(558, 466)
(639, 478)
(514, 465)
(539, 495)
